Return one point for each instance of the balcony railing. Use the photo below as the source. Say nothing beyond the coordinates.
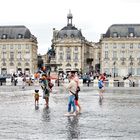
(122, 58)
(114, 58)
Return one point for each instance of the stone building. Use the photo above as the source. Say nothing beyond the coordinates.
(120, 50)
(73, 51)
(18, 50)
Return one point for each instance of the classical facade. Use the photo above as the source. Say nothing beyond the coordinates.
(73, 51)
(18, 50)
(120, 50)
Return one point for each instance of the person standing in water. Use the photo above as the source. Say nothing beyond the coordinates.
(101, 87)
(76, 78)
(46, 89)
(72, 87)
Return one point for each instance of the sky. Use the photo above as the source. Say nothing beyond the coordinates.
(93, 17)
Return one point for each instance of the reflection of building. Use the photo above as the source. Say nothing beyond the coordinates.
(121, 50)
(73, 52)
(18, 50)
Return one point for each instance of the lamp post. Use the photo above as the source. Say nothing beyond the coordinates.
(131, 63)
(114, 68)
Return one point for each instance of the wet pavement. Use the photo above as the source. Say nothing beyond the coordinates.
(116, 117)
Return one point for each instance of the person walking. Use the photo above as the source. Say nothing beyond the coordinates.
(72, 86)
(46, 89)
(76, 78)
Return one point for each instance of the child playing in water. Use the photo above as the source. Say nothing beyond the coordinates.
(101, 87)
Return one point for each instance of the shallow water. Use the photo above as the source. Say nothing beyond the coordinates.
(116, 117)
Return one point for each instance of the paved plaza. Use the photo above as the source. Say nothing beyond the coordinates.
(116, 117)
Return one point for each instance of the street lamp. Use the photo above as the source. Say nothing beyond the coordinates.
(131, 63)
(114, 68)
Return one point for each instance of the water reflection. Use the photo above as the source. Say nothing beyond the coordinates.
(36, 107)
(46, 114)
(100, 101)
(73, 127)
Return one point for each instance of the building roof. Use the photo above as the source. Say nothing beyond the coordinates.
(123, 30)
(70, 31)
(14, 32)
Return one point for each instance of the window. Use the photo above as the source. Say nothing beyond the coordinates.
(27, 46)
(106, 54)
(138, 71)
(75, 57)
(19, 55)
(19, 64)
(106, 46)
(131, 46)
(114, 46)
(26, 64)
(61, 55)
(123, 46)
(76, 48)
(114, 54)
(4, 64)
(20, 36)
(11, 56)
(4, 47)
(115, 34)
(11, 46)
(68, 56)
(131, 32)
(4, 36)
(122, 54)
(4, 55)
(61, 48)
(65, 35)
(139, 45)
(19, 46)
(11, 64)
(131, 70)
(72, 35)
(68, 50)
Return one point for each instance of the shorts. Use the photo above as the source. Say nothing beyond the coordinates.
(46, 94)
(76, 102)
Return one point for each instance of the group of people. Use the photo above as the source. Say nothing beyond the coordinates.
(73, 90)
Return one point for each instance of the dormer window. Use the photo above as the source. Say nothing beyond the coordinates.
(4, 36)
(65, 35)
(115, 34)
(72, 35)
(20, 36)
(131, 34)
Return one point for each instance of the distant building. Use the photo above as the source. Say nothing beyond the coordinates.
(18, 50)
(73, 51)
(120, 50)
